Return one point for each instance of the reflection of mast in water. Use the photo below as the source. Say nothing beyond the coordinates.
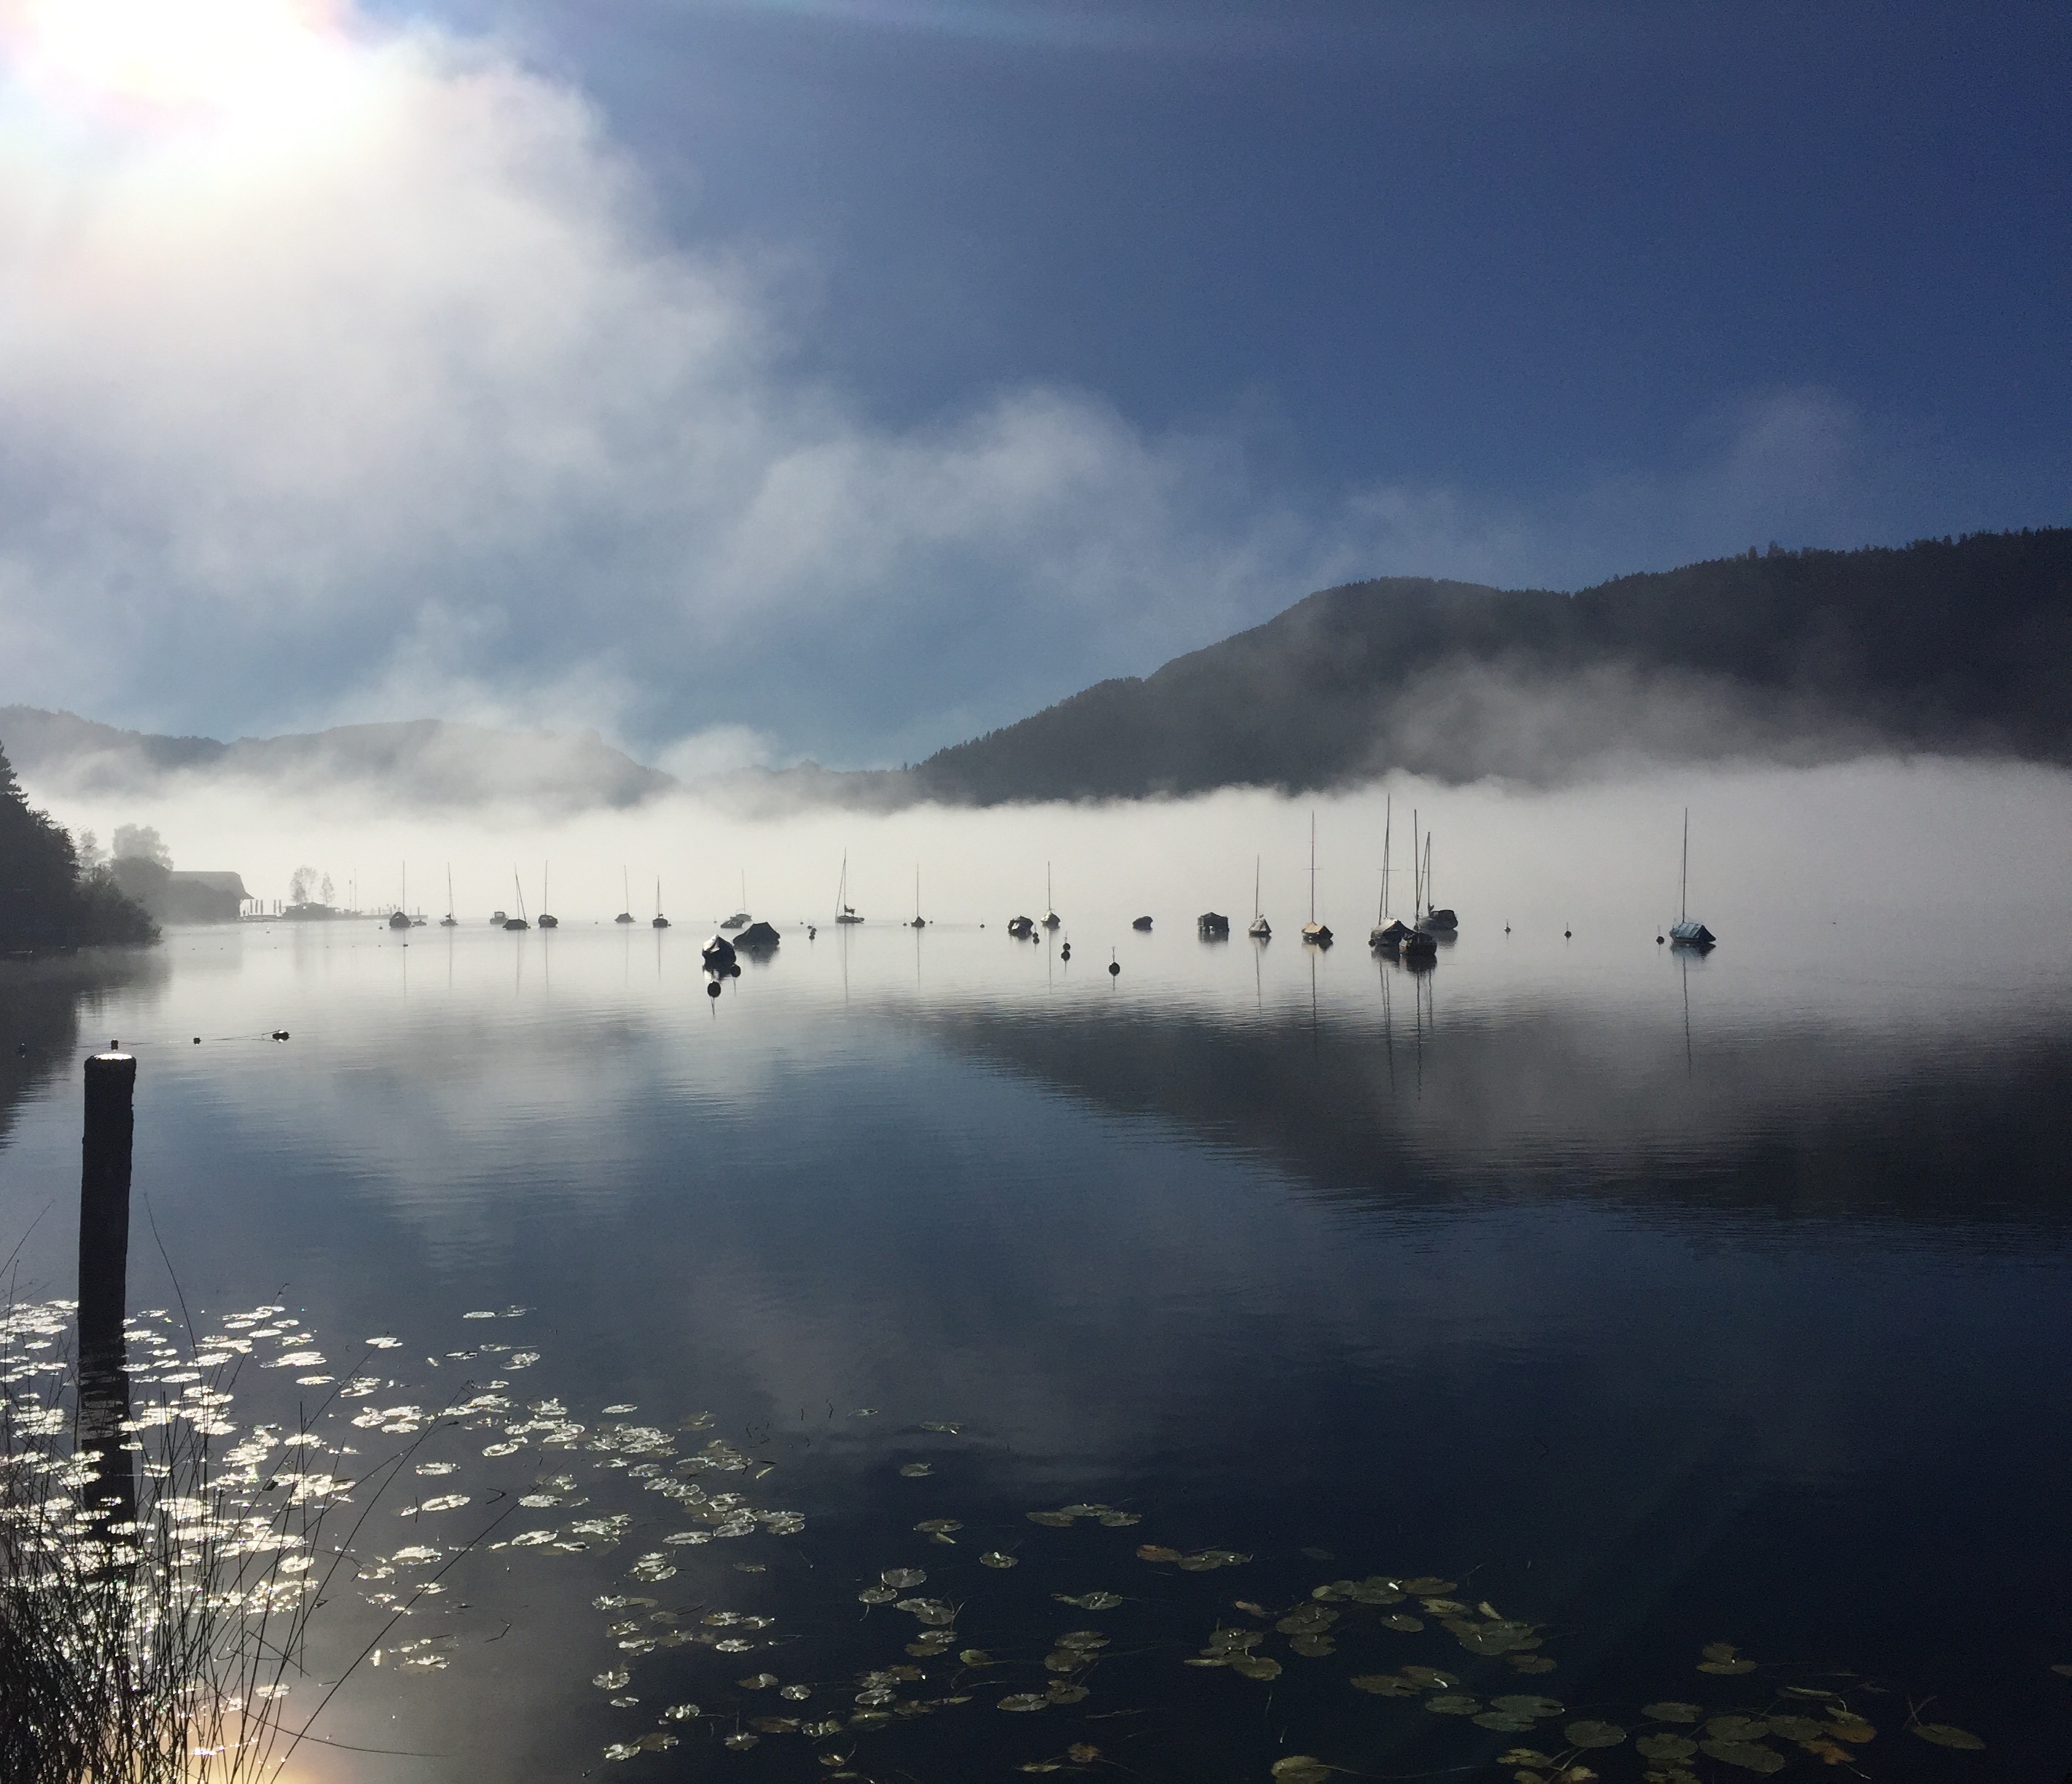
(1388, 1019)
(1683, 960)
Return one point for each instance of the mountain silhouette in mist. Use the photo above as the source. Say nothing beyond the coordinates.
(1960, 647)
(427, 761)
(1952, 647)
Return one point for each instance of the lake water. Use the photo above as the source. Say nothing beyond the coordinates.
(1651, 1300)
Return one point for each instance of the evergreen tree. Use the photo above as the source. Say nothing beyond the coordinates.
(45, 900)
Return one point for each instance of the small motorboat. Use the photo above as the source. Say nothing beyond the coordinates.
(1212, 926)
(1143, 923)
(740, 919)
(717, 954)
(758, 939)
(1022, 928)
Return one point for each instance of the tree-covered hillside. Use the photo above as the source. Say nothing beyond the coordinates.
(1962, 645)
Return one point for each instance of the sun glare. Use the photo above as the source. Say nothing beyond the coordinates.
(208, 61)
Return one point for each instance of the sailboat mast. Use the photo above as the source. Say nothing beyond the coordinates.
(1387, 823)
(1255, 887)
(1683, 876)
(1313, 867)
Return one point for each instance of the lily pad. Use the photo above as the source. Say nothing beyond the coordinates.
(1847, 1725)
(1023, 1701)
(1665, 1746)
(1410, 1626)
(1749, 1755)
(1737, 1727)
(1797, 1728)
(1301, 1768)
(992, 1557)
(1383, 1684)
(1062, 1692)
(1594, 1734)
(1424, 1584)
(1533, 1706)
(1503, 1724)
(1670, 1711)
(1254, 1666)
(1944, 1734)
(1431, 1678)
(914, 1471)
(1312, 1648)
(1452, 1704)
(1089, 1601)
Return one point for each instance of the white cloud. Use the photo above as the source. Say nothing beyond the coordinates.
(406, 407)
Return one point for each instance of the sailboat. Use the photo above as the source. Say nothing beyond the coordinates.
(1313, 930)
(625, 898)
(1439, 922)
(660, 920)
(920, 921)
(1387, 935)
(741, 918)
(1420, 946)
(1683, 932)
(546, 922)
(519, 921)
(1259, 929)
(450, 921)
(399, 917)
(1051, 920)
(844, 911)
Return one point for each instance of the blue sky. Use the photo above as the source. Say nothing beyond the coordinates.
(845, 376)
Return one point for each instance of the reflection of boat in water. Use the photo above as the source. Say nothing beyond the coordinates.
(1259, 929)
(519, 921)
(546, 922)
(1212, 926)
(1143, 923)
(660, 920)
(400, 916)
(1685, 932)
(1317, 933)
(844, 911)
(625, 898)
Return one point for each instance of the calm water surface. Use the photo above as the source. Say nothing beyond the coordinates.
(1653, 1302)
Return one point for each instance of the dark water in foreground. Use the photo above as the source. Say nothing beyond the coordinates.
(1651, 1303)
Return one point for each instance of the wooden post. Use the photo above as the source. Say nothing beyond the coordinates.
(104, 1279)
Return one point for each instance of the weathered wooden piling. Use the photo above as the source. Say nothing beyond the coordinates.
(104, 1278)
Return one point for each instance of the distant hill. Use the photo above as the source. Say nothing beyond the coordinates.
(424, 761)
(1961, 646)
(1952, 646)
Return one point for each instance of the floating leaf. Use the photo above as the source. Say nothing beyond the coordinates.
(1089, 1601)
(1254, 1666)
(1452, 1704)
(1737, 1727)
(1057, 1520)
(1061, 1692)
(904, 1578)
(1534, 1706)
(1724, 1658)
(1410, 1626)
(1301, 1768)
(1672, 1712)
(938, 1526)
(1594, 1734)
(1503, 1724)
(975, 1657)
(949, 1430)
(1530, 1663)
(1665, 1746)
(1384, 1684)
(1314, 1647)
(1524, 1756)
(914, 1470)
(740, 1743)
(1431, 1678)
(1847, 1725)
(877, 1595)
(1311, 1619)
(1747, 1754)
(1797, 1728)
(1025, 1700)
(2062, 1668)
(1151, 1552)
(1944, 1735)
(1082, 1752)
(760, 1681)
(992, 1557)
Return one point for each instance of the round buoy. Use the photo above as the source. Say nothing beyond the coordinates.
(1657, 941)
(197, 1040)
(1065, 953)
(1114, 965)
(1566, 935)
(1506, 929)
(712, 990)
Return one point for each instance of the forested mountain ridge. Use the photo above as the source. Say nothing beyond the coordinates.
(1948, 645)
